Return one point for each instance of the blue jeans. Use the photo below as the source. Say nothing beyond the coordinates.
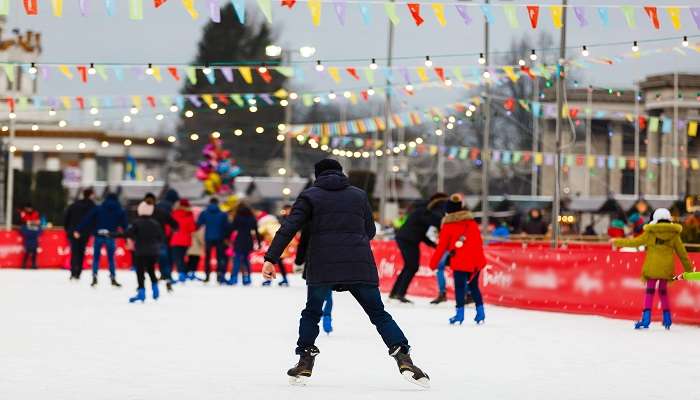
(107, 242)
(462, 281)
(165, 263)
(371, 302)
(440, 274)
(240, 260)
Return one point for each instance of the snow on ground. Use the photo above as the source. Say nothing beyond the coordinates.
(64, 340)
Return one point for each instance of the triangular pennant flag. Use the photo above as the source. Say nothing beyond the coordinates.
(692, 128)
(82, 71)
(421, 74)
(136, 101)
(510, 74)
(557, 13)
(340, 11)
(208, 99)
(369, 75)
(156, 74)
(10, 72)
(223, 99)
(57, 6)
(353, 72)
(136, 9)
(334, 74)
(31, 7)
(81, 102)
(488, 14)
(82, 5)
(653, 124)
(675, 14)
(151, 101)
(227, 72)
(238, 100)
(630, 17)
(4, 7)
(464, 13)
(414, 9)
(158, 3)
(457, 72)
(214, 11)
(66, 102)
(239, 9)
(366, 16)
(315, 10)
(174, 73)
(191, 74)
(265, 75)
(653, 16)
(189, 7)
(603, 15)
(695, 13)
(285, 71)
(440, 72)
(266, 8)
(390, 9)
(246, 74)
(439, 10)
(166, 100)
(289, 3)
(509, 11)
(102, 72)
(580, 14)
(534, 13)
(118, 72)
(109, 7)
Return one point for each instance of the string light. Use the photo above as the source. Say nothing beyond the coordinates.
(438, 132)
(282, 171)
(52, 112)
(206, 70)
(94, 110)
(533, 55)
(284, 103)
(584, 51)
(472, 107)
(92, 70)
(293, 96)
(252, 101)
(159, 117)
(62, 123)
(13, 149)
(448, 82)
(319, 66)
(128, 142)
(126, 119)
(521, 62)
(317, 99)
(482, 59)
(685, 41)
(82, 145)
(134, 110)
(11, 115)
(419, 140)
(216, 134)
(97, 123)
(253, 109)
(347, 94)
(238, 132)
(36, 147)
(174, 108)
(409, 88)
(331, 95)
(172, 139)
(221, 111)
(259, 129)
(280, 138)
(262, 69)
(150, 140)
(373, 65)
(451, 119)
(428, 62)
(32, 69)
(149, 69)
(59, 147)
(213, 106)
(635, 46)
(194, 137)
(35, 127)
(486, 75)
(189, 114)
(281, 127)
(370, 91)
(104, 144)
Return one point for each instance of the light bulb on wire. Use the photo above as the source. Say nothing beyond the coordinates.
(206, 70)
(52, 112)
(685, 41)
(448, 82)
(149, 69)
(482, 59)
(174, 108)
(92, 70)
(319, 66)
(428, 62)
(331, 95)
(584, 51)
(134, 110)
(262, 69)
(32, 69)
(533, 55)
(635, 46)
(370, 91)
(409, 88)
(521, 62)
(373, 65)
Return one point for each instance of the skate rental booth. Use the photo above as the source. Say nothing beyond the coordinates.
(579, 278)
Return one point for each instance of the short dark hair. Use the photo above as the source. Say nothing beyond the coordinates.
(87, 193)
(149, 195)
(213, 200)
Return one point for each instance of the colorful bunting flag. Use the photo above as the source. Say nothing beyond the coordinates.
(189, 7)
(439, 10)
(390, 9)
(414, 9)
(340, 11)
(462, 11)
(604, 16)
(31, 7)
(136, 9)
(315, 10)
(675, 14)
(246, 74)
(266, 8)
(653, 16)
(214, 11)
(509, 11)
(630, 17)
(488, 14)
(557, 12)
(580, 14)
(533, 12)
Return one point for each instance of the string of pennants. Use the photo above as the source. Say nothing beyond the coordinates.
(512, 13)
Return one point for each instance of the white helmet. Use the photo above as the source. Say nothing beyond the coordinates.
(661, 214)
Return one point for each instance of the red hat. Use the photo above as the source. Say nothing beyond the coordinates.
(184, 203)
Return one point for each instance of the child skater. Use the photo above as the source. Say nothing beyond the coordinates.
(662, 240)
(245, 226)
(194, 253)
(461, 239)
(30, 231)
(148, 237)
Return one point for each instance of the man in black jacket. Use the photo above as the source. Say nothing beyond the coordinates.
(409, 237)
(339, 257)
(163, 215)
(73, 217)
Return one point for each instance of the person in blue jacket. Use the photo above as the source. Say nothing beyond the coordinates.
(216, 225)
(30, 235)
(108, 219)
(246, 226)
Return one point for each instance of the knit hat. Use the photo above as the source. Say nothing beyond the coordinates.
(144, 209)
(185, 203)
(454, 204)
(661, 214)
(325, 165)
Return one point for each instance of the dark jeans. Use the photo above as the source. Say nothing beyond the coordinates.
(179, 253)
(145, 265)
(107, 242)
(165, 262)
(461, 280)
(370, 300)
(192, 263)
(240, 260)
(29, 253)
(282, 268)
(77, 254)
(410, 252)
(220, 248)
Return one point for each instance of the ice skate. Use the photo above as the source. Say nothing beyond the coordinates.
(403, 300)
(480, 317)
(94, 281)
(168, 286)
(155, 290)
(459, 316)
(300, 374)
(182, 277)
(267, 283)
(283, 282)
(646, 320)
(327, 324)
(115, 283)
(140, 296)
(667, 320)
(442, 297)
(246, 280)
(407, 369)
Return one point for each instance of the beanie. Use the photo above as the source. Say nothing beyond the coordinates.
(144, 209)
(454, 204)
(327, 164)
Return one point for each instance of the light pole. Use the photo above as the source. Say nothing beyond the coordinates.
(10, 175)
(485, 153)
(388, 157)
(556, 211)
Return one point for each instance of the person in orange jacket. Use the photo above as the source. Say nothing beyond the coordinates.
(461, 239)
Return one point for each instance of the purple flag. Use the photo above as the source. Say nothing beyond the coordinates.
(340, 12)
(227, 72)
(194, 100)
(462, 10)
(406, 76)
(580, 13)
(214, 11)
(82, 4)
(266, 98)
(44, 72)
(695, 12)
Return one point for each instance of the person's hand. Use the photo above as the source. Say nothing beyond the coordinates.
(76, 235)
(268, 271)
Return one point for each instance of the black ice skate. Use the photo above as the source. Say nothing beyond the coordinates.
(442, 297)
(301, 372)
(94, 281)
(409, 371)
(115, 283)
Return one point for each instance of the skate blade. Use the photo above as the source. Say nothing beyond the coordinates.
(422, 382)
(298, 380)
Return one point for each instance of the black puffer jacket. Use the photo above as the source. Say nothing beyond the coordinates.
(75, 214)
(423, 216)
(340, 228)
(147, 235)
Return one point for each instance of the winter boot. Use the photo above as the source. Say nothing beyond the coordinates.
(480, 315)
(301, 372)
(94, 281)
(182, 277)
(403, 300)
(667, 319)
(233, 280)
(284, 282)
(459, 316)
(646, 320)
(168, 286)
(206, 278)
(409, 371)
(246, 280)
(442, 297)
(156, 291)
(115, 283)
(191, 276)
(267, 283)
(327, 324)
(140, 296)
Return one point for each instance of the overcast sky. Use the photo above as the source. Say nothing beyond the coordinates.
(169, 35)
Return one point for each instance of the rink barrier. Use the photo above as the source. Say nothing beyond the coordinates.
(580, 278)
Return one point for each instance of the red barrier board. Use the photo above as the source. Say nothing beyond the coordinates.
(586, 279)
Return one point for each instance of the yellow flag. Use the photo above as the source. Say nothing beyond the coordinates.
(334, 73)
(66, 102)
(156, 74)
(439, 10)
(591, 161)
(281, 94)
(65, 71)
(136, 101)
(643, 163)
(693, 128)
(353, 98)
(675, 14)
(209, 99)
(57, 6)
(539, 158)
(557, 13)
(694, 164)
(433, 149)
(421, 74)
(189, 7)
(510, 74)
(315, 9)
(564, 111)
(246, 74)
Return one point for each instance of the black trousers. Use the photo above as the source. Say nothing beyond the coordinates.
(29, 253)
(192, 263)
(77, 254)
(145, 265)
(282, 268)
(410, 252)
(220, 248)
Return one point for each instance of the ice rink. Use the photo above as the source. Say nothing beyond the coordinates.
(64, 340)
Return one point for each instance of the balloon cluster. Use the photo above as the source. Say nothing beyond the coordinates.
(217, 171)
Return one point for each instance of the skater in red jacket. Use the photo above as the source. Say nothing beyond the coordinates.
(181, 239)
(461, 239)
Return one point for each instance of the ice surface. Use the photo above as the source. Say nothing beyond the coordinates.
(62, 340)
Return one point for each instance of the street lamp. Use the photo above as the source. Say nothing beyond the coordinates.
(307, 51)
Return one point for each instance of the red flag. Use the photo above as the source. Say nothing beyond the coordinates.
(474, 153)
(11, 104)
(653, 16)
(527, 156)
(174, 73)
(82, 70)
(685, 163)
(440, 72)
(288, 3)
(223, 99)
(527, 71)
(414, 8)
(509, 104)
(364, 95)
(158, 3)
(573, 112)
(534, 13)
(353, 73)
(642, 123)
(151, 101)
(631, 163)
(31, 7)
(81, 102)
(580, 159)
(265, 74)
